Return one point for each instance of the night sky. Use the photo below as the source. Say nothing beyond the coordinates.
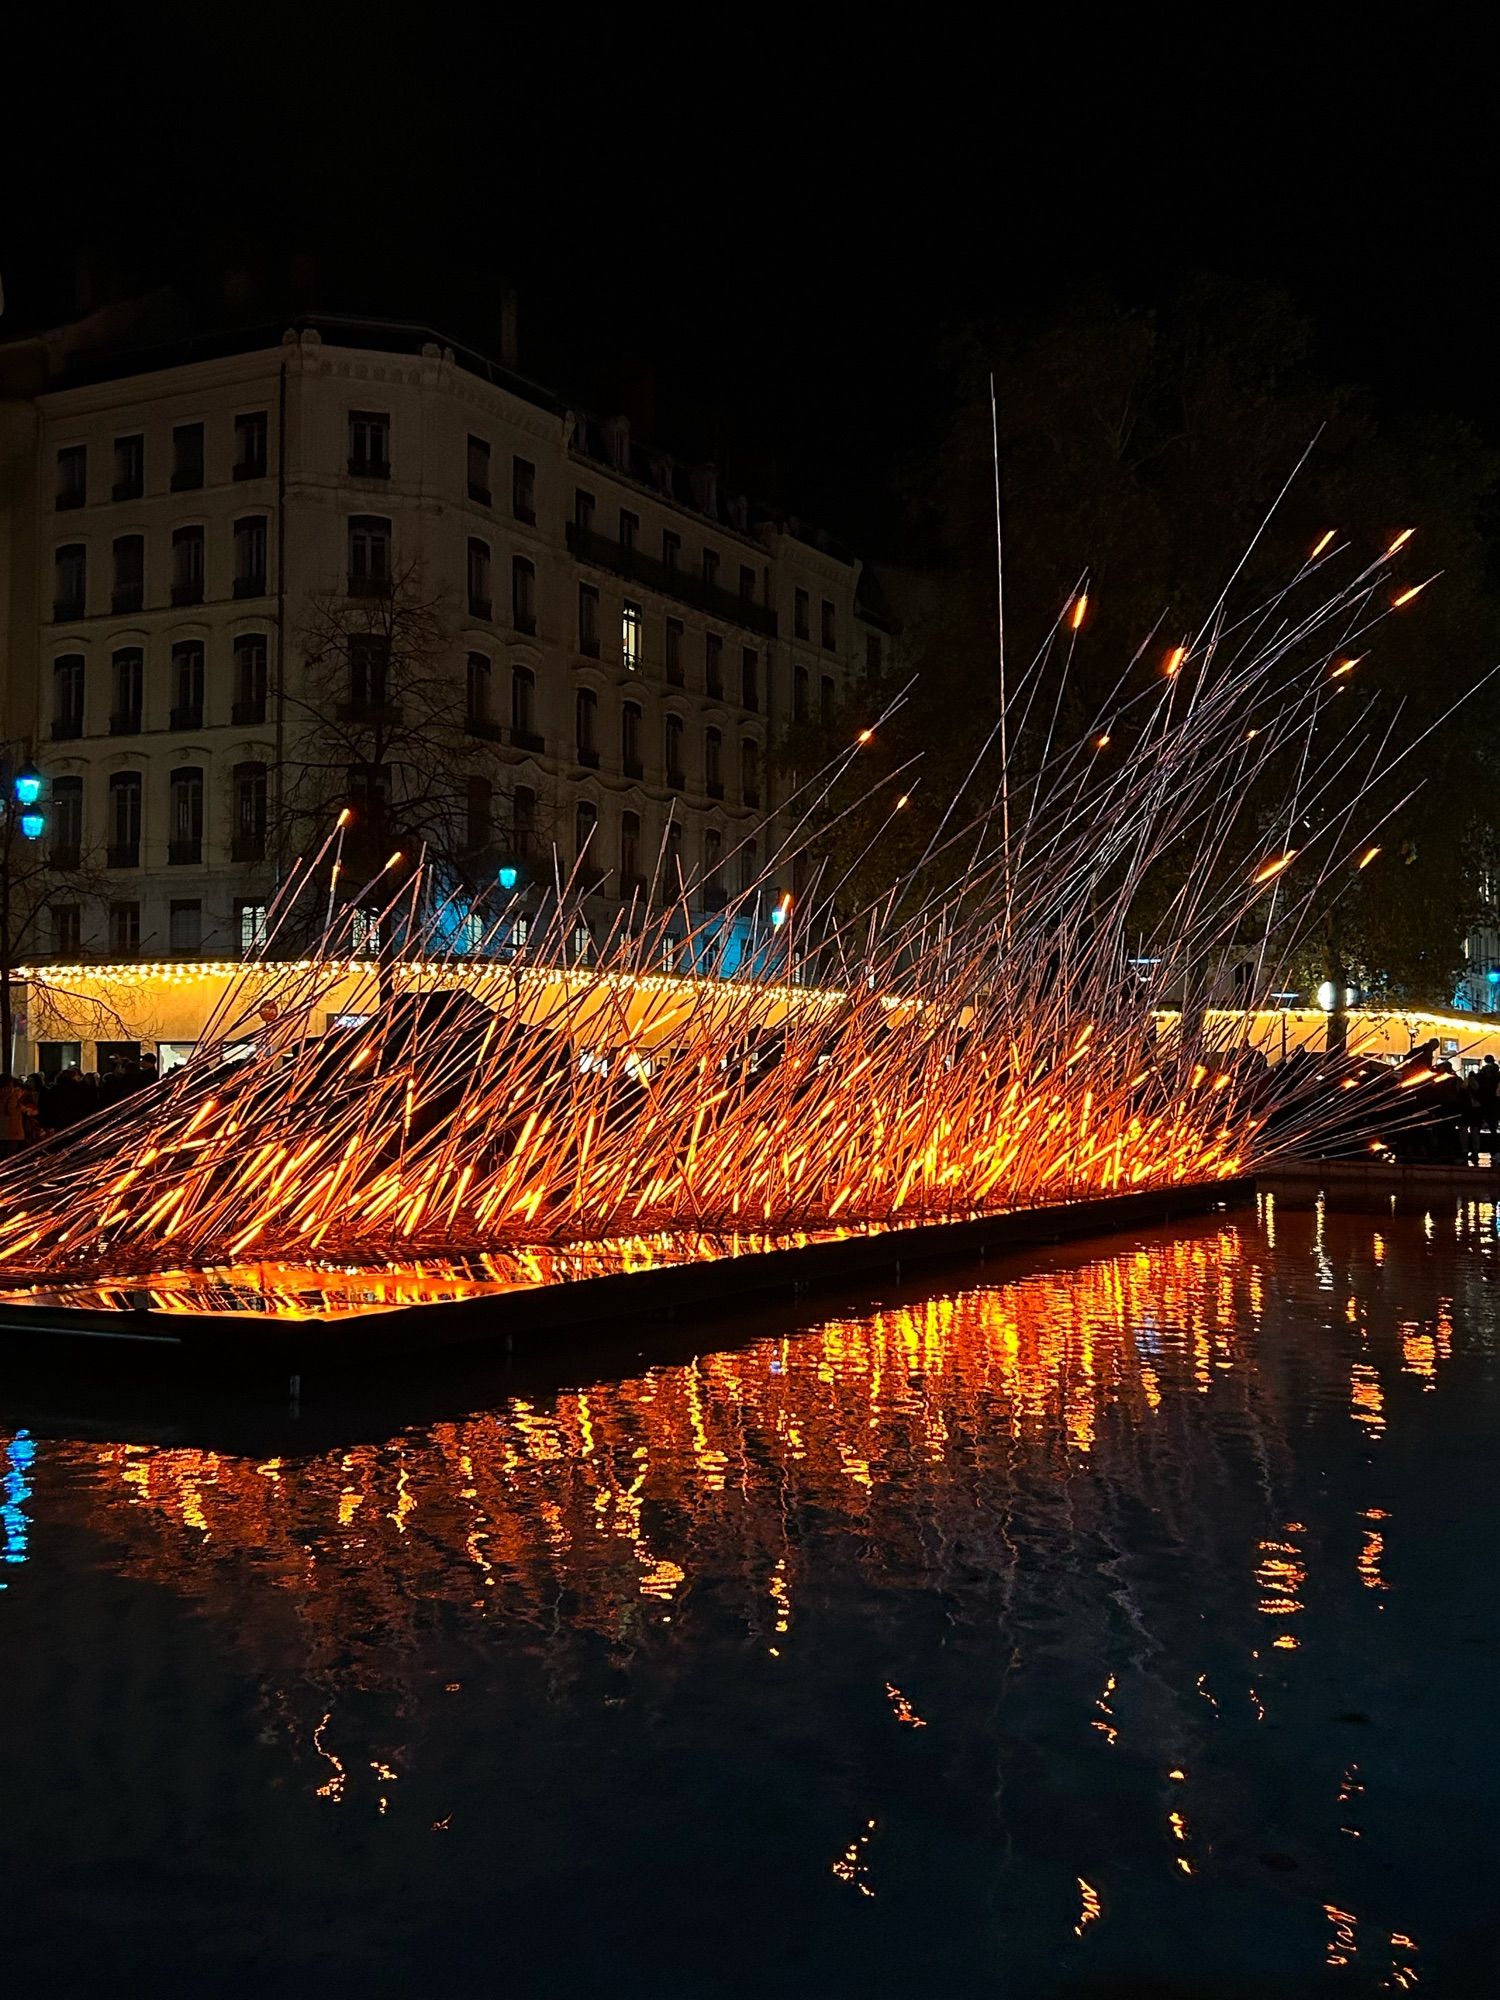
(758, 259)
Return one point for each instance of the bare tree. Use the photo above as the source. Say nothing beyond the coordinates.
(391, 724)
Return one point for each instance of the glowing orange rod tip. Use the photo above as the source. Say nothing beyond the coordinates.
(1406, 596)
(902, 801)
(1102, 742)
(1268, 869)
(1174, 662)
(1080, 611)
(1367, 857)
(344, 817)
(865, 736)
(1321, 544)
(1342, 667)
(1401, 541)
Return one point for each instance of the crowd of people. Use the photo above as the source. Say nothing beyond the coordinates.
(36, 1106)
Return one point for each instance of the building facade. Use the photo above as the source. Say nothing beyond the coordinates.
(630, 642)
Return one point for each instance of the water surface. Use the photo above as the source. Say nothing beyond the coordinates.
(1124, 1626)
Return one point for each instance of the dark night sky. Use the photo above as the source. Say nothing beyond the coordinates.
(774, 243)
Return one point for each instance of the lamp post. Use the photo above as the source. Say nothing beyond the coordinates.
(21, 817)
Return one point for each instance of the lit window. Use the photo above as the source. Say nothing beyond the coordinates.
(630, 632)
(250, 921)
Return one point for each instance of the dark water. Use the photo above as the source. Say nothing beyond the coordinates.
(1128, 1627)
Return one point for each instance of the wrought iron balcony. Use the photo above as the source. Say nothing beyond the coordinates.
(123, 854)
(189, 716)
(65, 608)
(185, 853)
(66, 728)
(633, 768)
(715, 788)
(482, 727)
(369, 468)
(677, 584)
(482, 608)
(125, 722)
(250, 586)
(251, 468)
(248, 847)
(127, 597)
(587, 755)
(526, 739)
(188, 593)
(250, 710)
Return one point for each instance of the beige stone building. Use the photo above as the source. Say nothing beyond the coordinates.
(631, 640)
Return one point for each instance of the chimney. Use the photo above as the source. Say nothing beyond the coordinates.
(704, 480)
(510, 306)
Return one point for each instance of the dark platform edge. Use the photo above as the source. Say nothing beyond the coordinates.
(233, 1340)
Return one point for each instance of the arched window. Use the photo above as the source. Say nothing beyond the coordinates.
(480, 814)
(129, 664)
(187, 684)
(672, 735)
(249, 678)
(586, 717)
(70, 582)
(523, 594)
(480, 604)
(124, 819)
(130, 573)
(67, 697)
(713, 763)
(750, 771)
(523, 709)
(249, 839)
(630, 740)
(585, 846)
(630, 854)
(369, 555)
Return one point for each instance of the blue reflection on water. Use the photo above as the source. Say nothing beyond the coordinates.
(16, 1488)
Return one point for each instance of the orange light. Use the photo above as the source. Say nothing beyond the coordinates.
(1174, 662)
(865, 736)
(902, 802)
(1321, 544)
(345, 816)
(1367, 857)
(1401, 541)
(1342, 667)
(1080, 610)
(1102, 742)
(1268, 869)
(1406, 596)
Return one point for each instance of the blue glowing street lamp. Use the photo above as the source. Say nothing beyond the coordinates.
(509, 877)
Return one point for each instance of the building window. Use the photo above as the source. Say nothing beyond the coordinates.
(481, 605)
(671, 549)
(630, 854)
(749, 677)
(124, 819)
(830, 633)
(713, 856)
(827, 699)
(711, 566)
(129, 671)
(72, 476)
(369, 555)
(67, 930)
(586, 726)
(129, 592)
(130, 468)
(369, 673)
(630, 528)
(185, 925)
(523, 594)
(124, 929)
(872, 654)
(523, 489)
(713, 665)
(249, 840)
(370, 444)
(250, 556)
(630, 740)
(747, 583)
(672, 739)
(70, 571)
(479, 471)
(185, 839)
(250, 445)
(187, 565)
(187, 684)
(583, 511)
(65, 822)
(630, 637)
(523, 822)
(478, 814)
(671, 862)
(250, 925)
(187, 457)
(801, 614)
(585, 821)
(674, 652)
(67, 697)
(588, 620)
(713, 763)
(478, 679)
(523, 708)
(801, 685)
(749, 866)
(249, 678)
(749, 772)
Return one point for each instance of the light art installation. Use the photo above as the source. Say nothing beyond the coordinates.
(982, 1033)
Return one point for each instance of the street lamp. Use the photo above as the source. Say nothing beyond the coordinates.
(782, 915)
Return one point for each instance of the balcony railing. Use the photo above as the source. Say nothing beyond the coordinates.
(64, 608)
(247, 847)
(127, 597)
(253, 709)
(677, 780)
(481, 607)
(369, 586)
(674, 583)
(369, 468)
(250, 586)
(715, 788)
(185, 853)
(586, 755)
(480, 495)
(125, 722)
(123, 854)
(527, 739)
(65, 728)
(188, 479)
(127, 489)
(368, 711)
(484, 728)
(251, 468)
(73, 497)
(188, 593)
(633, 768)
(523, 620)
(188, 716)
